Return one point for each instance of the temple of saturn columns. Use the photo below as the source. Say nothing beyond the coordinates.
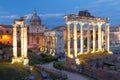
(23, 57)
(96, 23)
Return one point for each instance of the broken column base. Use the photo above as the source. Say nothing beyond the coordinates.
(25, 61)
(71, 63)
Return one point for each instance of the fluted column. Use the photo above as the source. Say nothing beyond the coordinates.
(45, 44)
(82, 40)
(107, 37)
(15, 41)
(68, 38)
(25, 42)
(75, 38)
(99, 37)
(49, 43)
(53, 45)
(22, 40)
(102, 39)
(94, 38)
(88, 38)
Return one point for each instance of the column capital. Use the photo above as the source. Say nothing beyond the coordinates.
(99, 23)
(14, 25)
(75, 23)
(108, 24)
(88, 24)
(68, 23)
(93, 24)
(81, 23)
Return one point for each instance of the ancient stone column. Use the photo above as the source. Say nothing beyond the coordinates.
(22, 40)
(82, 40)
(99, 37)
(94, 38)
(75, 38)
(25, 42)
(102, 39)
(48, 44)
(68, 38)
(45, 43)
(26, 60)
(107, 37)
(14, 41)
(88, 38)
(53, 46)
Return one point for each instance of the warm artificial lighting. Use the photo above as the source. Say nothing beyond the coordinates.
(4, 36)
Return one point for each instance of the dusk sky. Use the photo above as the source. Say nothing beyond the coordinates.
(52, 11)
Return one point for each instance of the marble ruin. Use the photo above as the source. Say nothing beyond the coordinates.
(54, 43)
(83, 20)
(23, 57)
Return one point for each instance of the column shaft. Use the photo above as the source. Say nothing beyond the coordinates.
(22, 41)
(14, 41)
(75, 39)
(25, 42)
(68, 38)
(99, 37)
(94, 38)
(82, 40)
(88, 38)
(102, 40)
(107, 37)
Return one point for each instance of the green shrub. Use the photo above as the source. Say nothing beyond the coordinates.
(47, 58)
(59, 65)
(32, 59)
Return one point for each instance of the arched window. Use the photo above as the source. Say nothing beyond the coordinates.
(37, 40)
(7, 31)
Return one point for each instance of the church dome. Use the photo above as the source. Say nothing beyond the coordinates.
(35, 19)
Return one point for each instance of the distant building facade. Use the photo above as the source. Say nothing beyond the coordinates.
(54, 41)
(115, 35)
(6, 33)
(36, 31)
(37, 35)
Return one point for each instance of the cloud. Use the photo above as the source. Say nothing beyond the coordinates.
(51, 15)
(28, 16)
(9, 17)
(46, 15)
(104, 1)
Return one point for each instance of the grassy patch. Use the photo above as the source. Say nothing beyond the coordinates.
(46, 58)
(59, 65)
(12, 71)
(42, 58)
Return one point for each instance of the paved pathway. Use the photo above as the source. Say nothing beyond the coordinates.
(37, 75)
(70, 75)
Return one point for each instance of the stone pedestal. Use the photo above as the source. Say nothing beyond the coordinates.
(71, 63)
(26, 61)
(50, 51)
(14, 60)
(53, 53)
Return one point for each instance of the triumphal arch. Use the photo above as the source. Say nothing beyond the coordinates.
(23, 58)
(97, 42)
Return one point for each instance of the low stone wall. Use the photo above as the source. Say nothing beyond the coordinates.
(57, 74)
(101, 74)
(70, 64)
